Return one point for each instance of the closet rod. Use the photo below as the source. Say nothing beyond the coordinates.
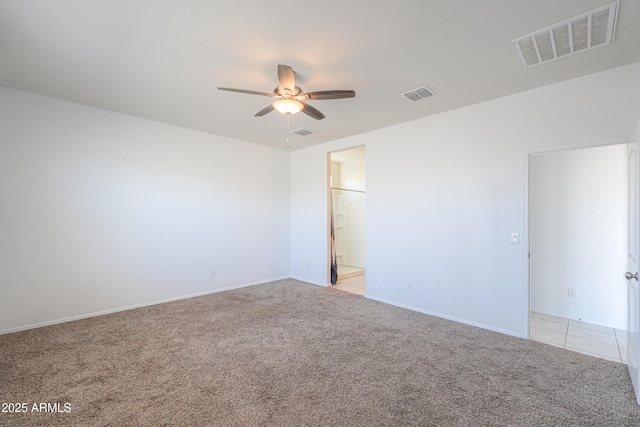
(346, 189)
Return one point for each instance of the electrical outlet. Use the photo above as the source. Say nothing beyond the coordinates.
(571, 293)
(213, 273)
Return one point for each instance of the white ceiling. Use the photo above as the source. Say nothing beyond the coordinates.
(163, 59)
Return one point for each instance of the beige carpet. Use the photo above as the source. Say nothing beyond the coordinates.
(292, 354)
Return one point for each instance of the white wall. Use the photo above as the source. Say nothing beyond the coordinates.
(353, 232)
(578, 234)
(335, 174)
(102, 211)
(444, 193)
(353, 177)
(353, 174)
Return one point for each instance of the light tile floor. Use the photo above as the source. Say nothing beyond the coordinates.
(574, 335)
(355, 284)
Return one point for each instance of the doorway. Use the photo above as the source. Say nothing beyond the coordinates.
(347, 187)
(577, 248)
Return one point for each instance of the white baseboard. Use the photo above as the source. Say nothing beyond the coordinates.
(131, 307)
(324, 285)
(586, 319)
(444, 316)
(244, 285)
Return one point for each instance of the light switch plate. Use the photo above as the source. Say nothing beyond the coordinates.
(515, 238)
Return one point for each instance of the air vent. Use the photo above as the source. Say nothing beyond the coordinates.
(418, 94)
(578, 34)
(302, 132)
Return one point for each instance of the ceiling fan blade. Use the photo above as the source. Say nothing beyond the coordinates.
(287, 77)
(250, 92)
(328, 94)
(269, 108)
(312, 112)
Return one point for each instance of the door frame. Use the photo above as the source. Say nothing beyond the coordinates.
(632, 266)
(586, 143)
(330, 203)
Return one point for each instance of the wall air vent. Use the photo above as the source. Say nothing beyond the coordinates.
(418, 94)
(578, 34)
(302, 132)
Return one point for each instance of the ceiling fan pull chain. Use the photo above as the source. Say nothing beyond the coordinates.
(288, 133)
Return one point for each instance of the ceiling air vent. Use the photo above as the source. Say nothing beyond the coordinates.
(418, 94)
(578, 34)
(302, 132)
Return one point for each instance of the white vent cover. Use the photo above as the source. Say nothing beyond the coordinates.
(302, 132)
(418, 94)
(578, 34)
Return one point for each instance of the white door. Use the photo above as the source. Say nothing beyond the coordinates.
(633, 337)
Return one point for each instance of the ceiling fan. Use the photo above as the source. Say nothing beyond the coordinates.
(290, 98)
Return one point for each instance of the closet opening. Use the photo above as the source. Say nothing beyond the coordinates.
(347, 203)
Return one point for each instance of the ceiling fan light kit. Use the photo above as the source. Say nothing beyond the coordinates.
(288, 106)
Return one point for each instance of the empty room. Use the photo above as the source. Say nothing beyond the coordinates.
(180, 181)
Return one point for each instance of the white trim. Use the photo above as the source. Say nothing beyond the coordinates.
(324, 285)
(526, 309)
(444, 316)
(601, 141)
(597, 141)
(132, 307)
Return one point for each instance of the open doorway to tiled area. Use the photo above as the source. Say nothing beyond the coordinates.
(354, 284)
(582, 337)
(347, 235)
